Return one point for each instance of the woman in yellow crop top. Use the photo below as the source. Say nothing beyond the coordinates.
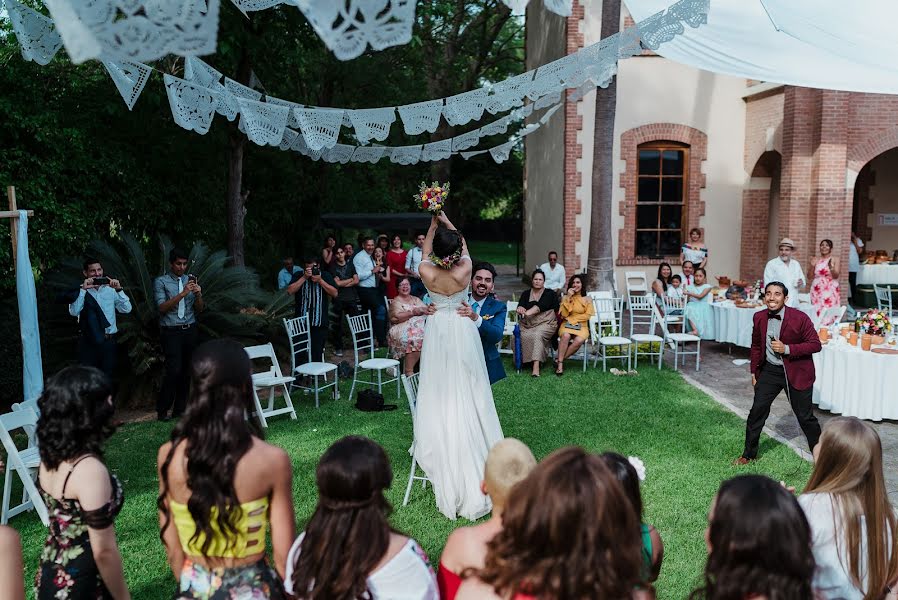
(214, 527)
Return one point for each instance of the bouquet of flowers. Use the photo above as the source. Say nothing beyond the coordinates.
(874, 322)
(433, 198)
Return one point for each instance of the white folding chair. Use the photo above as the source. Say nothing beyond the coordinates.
(674, 309)
(642, 315)
(363, 342)
(609, 312)
(31, 430)
(270, 379)
(411, 392)
(511, 319)
(301, 348)
(884, 300)
(677, 339)
(636, 283)
(830, 316)
(23, 463)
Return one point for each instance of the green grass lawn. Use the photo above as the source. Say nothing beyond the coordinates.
(685, 439)
(498, 253)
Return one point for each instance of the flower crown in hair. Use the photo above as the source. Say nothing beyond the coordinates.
(432, 198)
(638, 465)
(445, 262)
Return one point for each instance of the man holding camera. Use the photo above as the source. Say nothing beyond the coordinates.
(99, 298)
(179, 297)
(312, 287)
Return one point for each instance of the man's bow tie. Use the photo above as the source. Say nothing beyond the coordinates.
(776, 316)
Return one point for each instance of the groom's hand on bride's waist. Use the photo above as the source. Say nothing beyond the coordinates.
(466, 311)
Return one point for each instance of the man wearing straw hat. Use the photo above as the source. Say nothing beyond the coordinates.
(784, 268)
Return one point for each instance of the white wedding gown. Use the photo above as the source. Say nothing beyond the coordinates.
(456, 422)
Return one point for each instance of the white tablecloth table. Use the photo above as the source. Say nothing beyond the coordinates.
(733, 325)
(879, 274)
(855, 383)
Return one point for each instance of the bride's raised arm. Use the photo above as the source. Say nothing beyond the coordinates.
(427, 248)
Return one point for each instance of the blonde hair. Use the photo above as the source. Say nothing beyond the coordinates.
(849, 468)
(508, 462)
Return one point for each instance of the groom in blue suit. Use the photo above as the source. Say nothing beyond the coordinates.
(489, 316)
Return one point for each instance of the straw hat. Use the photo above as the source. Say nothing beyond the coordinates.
(787, 242)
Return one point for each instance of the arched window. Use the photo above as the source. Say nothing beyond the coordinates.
(661, 198)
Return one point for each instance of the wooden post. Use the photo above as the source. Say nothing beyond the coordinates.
(13, 215)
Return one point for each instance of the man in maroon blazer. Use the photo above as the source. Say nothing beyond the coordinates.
(782, 344)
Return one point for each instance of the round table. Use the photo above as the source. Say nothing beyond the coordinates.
(883, 274)
(733, 325)
(855, 383)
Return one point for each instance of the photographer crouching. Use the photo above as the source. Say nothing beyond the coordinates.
(179, 297)
(98, 300)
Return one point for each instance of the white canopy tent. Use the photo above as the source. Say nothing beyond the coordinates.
(825, 44)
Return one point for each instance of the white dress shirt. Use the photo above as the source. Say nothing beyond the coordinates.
(412, 261)
(364, 268)
(787, 273)
(854, 261)
(110, 302)
(476, 306)
(554, 277)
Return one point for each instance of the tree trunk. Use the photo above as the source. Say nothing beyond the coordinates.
(600, 263)
(235, 201)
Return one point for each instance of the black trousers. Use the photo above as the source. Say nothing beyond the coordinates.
(317, 337)
(372, 299)
(342, 308)
(852, 285)
(771, 381)
(177, 347)
(98, 354)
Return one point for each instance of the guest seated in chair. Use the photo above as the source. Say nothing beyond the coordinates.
(407, 316)
(349, 549)
(537, 322)
(507, 463)
(661, 283)
(576, 310)
(698, 310)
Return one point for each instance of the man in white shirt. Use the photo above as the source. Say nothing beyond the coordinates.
(412, 262)
(688, 272)
(854, 263)
(555, 273)
(369, 296)
(786, 270)
(96, 305)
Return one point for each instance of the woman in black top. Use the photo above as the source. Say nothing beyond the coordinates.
(537, 321)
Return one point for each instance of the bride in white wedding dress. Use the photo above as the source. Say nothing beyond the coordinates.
(456, 422)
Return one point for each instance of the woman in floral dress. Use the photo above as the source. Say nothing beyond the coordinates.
(407, 316)
(823, 271)
(81, 557)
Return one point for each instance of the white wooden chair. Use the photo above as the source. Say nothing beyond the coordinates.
(636, 283)
(643, 315)
(609, 312)
(270, 380)
(831, 316)
(31, 430)
(301, 349)
(884, 300)
(411, 392)
(23, 463)
(677, 339)
(674, 309)
(506, 344)
(363, 342)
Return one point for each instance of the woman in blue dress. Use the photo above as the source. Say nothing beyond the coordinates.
(698, 310)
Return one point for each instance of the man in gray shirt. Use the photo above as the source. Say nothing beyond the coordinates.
(179, 297)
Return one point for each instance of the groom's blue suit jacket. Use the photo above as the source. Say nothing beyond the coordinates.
(493, 314)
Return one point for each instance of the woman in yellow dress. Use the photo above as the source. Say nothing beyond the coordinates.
(576, 309)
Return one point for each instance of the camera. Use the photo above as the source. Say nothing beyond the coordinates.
(191, 278)
(100, 281)
(316, 270)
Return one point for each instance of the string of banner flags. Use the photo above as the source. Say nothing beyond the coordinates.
(314, 131)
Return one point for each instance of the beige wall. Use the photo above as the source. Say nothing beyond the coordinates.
(884, 194)
(651, 89)
(544, 149)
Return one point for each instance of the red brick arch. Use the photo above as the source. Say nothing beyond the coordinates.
(862, 153)
(695, 206)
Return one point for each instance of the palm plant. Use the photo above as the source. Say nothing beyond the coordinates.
(236, 306)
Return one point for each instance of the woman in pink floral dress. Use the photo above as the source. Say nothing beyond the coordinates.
(407, 316)
(823, 271)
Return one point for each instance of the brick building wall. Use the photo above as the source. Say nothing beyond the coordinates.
(573, 124)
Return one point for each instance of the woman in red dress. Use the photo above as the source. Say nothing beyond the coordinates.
(396, 262)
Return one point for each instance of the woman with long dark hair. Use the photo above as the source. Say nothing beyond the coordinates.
(568, 531)
(348, 549)
(759, 544)
(81, 558)
(576, 310)
(659, 285)
(220, 486)
(852, 520)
